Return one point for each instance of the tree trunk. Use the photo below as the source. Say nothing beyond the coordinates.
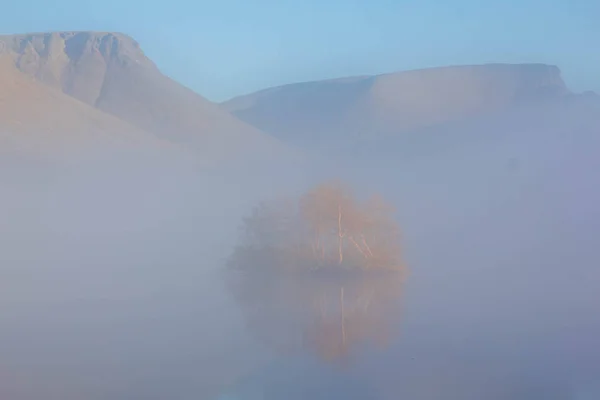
(340, 236)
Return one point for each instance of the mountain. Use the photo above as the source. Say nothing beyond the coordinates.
(104, 81)
(61, 90)
(41, 122)
(371, 106)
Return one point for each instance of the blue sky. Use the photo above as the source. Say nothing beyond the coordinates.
(224, 48)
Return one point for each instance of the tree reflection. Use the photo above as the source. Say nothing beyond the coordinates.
(322, 272)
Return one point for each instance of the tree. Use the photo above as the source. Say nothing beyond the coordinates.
(320, 271)
(326, 209)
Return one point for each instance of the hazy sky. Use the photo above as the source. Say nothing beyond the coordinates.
(229, 47)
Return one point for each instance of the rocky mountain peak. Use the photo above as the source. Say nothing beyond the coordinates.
(74, 62)
(74, 46)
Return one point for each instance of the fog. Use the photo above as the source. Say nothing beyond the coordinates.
(112, 285)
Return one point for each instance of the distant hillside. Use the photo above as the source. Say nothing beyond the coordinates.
(313, 112)
(109, 72)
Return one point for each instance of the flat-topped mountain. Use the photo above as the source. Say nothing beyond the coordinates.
(66, 89)
(394, 103)
(109, 73)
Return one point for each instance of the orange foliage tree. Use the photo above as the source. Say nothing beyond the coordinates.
(320, 271)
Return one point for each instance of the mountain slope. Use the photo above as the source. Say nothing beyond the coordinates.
(36, 120)
(313, 112)
(110, 72)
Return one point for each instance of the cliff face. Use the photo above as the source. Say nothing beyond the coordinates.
(75, 62)
(110, 72)
(397, 102)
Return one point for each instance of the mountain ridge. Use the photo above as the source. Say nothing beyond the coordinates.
(396, 102)
(109, 72)
(354, 78)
